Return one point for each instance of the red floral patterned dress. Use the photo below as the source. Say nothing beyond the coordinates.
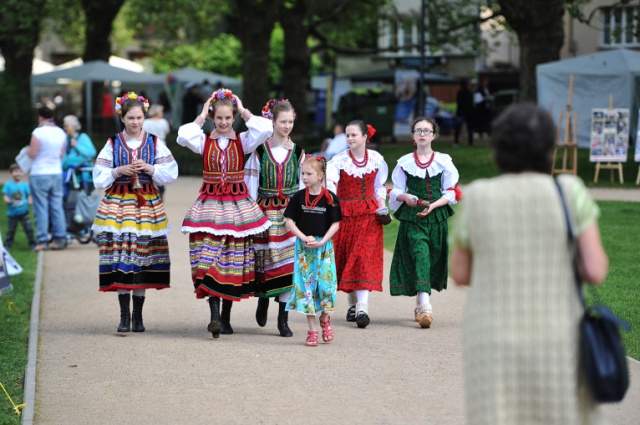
(358, 244)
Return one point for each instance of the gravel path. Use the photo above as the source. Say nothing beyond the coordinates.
(391, 373)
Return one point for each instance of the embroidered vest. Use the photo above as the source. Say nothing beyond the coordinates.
(223, 169)
(123, 155)
(278, 180)
(429, 189)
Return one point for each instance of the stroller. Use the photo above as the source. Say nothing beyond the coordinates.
(80, 202)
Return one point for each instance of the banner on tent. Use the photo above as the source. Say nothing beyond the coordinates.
(609, 135)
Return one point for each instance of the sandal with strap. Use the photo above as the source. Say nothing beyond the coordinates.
(327, 332)
(312, 338)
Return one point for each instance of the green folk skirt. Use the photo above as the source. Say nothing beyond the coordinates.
(420, 258)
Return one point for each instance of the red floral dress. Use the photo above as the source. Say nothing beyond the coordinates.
(358, 244)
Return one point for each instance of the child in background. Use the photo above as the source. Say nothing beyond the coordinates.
(425, 183)
(314, 215)
(17, 195)
(224, 219)
(272, 175)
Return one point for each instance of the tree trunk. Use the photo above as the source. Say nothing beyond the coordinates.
(540, 32)
(100, 16)
(297, 60)
(252, 23)
(20, 23)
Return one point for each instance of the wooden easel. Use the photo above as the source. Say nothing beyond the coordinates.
(610, 165)
(568, 141)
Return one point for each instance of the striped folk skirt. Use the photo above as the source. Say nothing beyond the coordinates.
(274, 251)
(221, 244)
(132, 236)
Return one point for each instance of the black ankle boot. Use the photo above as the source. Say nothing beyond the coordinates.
(136, 316)
(225, 318)
(214, 325)
(125, 312)
(261, 311)
(283, 320)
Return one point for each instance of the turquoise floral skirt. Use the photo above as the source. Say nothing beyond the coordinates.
(314, 279)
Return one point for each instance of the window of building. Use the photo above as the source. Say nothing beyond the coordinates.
(619, 26)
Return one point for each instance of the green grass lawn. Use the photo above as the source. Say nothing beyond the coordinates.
(14, 327)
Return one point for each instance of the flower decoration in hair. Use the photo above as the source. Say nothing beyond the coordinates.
(267, 109)
(131, 95)
(222, 94)
(316, 157)
(370, 132)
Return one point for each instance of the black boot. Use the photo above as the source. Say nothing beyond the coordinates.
(283, 320)
(214, 325)
(136, 316)
(261, 311)
(125, 312)
(225, 318)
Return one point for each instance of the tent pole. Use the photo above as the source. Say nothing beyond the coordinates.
(87, 106)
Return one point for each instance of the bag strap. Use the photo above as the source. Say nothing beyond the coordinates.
(573, 242)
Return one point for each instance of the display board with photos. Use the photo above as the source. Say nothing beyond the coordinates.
(609, 135)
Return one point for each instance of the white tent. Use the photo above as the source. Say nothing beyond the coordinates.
(38, 66)
(596, 77)
(96, 71)
(113, 61)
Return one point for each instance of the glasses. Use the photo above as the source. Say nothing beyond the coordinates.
(422, 132)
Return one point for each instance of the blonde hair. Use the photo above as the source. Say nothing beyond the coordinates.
(319, 163)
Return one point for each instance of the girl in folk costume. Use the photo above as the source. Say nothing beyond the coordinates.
(425, 183)
(131, 221)
(313, 215)
(223, 220)
(272, 175)
(358, 176)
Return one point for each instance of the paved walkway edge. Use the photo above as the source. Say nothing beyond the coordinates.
(32, 353)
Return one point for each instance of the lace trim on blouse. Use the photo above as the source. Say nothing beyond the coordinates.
(343, 162)
(439, 164)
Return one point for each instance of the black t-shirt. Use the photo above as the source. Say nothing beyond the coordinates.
(315, 221)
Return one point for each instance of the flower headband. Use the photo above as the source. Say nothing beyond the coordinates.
(267, 109)
(222, 94)
(131, 95)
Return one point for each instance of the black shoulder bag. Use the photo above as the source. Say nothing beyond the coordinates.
(602, 349)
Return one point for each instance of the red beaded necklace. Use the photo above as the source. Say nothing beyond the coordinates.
(311, 205)
(423, 164)
(360, 163)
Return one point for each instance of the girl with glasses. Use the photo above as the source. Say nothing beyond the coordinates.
(425, 183)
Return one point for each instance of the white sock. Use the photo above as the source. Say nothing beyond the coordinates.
(423, 299)
(352, 299)
(284, 297)
(139, 292)
(363, 296)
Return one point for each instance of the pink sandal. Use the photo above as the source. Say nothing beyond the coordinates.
(327, 332)
(312, 338)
